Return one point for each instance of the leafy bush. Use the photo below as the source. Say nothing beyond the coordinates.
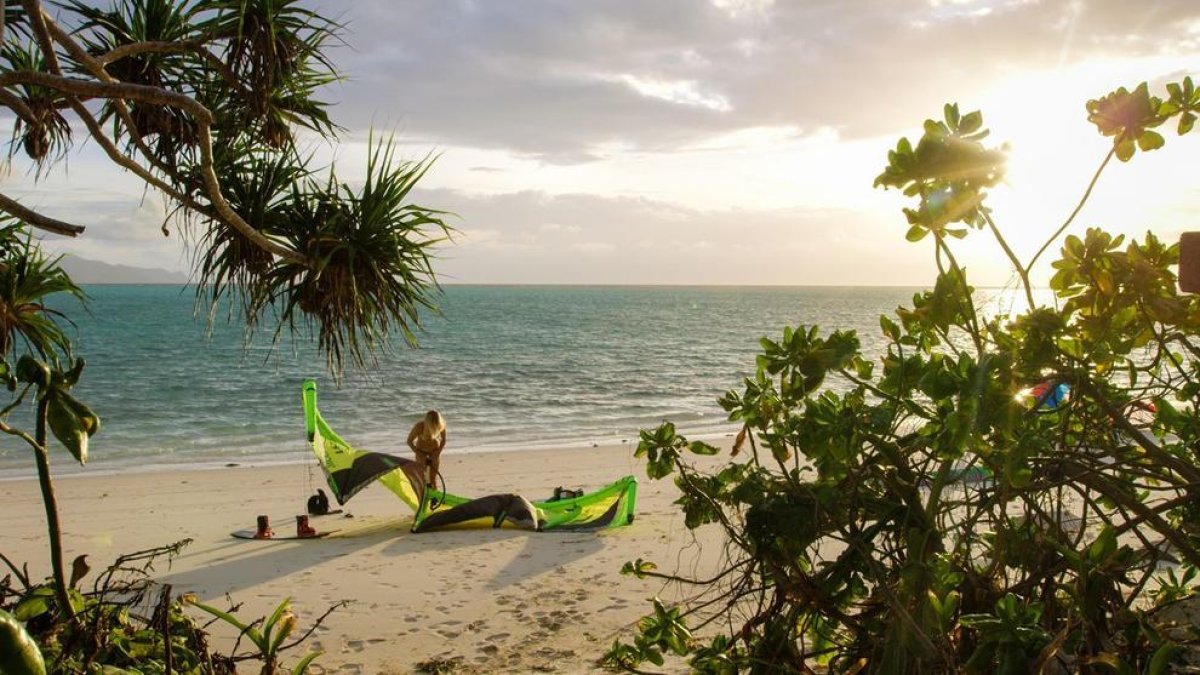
(127, 623)
(925, 512)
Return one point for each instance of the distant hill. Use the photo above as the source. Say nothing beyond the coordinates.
(84, 271)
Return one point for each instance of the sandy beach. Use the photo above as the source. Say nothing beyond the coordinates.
(486, 600)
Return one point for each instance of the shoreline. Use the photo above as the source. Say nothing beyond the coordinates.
(63, 467)
(487, 600)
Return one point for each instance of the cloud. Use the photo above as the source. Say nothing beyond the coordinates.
(676, 141)
(681, 92)
(555, 80)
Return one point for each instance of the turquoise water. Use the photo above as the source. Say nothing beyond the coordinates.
(510, 367)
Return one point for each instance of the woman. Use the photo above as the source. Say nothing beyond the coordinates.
(427, 438)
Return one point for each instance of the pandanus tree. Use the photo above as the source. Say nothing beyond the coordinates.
(212, 104)
(209, 102)
(919, 511)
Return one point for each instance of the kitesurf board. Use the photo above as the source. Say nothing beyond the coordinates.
(285, 536)
(288, 529)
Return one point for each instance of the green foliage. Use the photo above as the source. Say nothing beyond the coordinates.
(27, 278)
(369, 258)
(662, 633)
(126, 623)
(925, 512)
(1172, 587)
(270, 639)
(19, 654)
(949, 171)
(1008, 639)
(1128, 117)
(1184, 101)
(32, 337)
(45, 134)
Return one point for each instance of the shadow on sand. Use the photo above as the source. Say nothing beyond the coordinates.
(240, 564)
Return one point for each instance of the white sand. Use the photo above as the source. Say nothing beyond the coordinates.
(495, 600)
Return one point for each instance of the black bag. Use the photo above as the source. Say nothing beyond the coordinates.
(318, 504)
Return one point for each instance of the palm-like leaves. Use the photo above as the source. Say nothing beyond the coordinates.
(274, 48)
(45, 131)
(148, 21)
(370, 270)
(27, 278)
(367, 272)
(259, 186)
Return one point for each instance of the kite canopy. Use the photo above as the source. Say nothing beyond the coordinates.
(349, 470)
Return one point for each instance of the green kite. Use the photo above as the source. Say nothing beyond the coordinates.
(349, 470)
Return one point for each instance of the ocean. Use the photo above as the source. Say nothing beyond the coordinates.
(511, 367)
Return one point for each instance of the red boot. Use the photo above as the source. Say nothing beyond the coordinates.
(303, 529)
(264, 528)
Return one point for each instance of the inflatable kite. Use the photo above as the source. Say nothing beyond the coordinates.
(349, 470)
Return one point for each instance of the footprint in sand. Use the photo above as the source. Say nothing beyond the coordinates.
(354, 645)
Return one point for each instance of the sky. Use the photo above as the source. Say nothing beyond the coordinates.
(712, 141)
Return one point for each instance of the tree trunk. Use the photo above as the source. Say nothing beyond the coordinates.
(52, 526)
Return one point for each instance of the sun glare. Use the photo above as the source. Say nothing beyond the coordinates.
(1052, 154)
(1054, 151)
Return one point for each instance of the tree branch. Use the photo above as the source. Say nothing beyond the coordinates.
(33, 8)
(97, 70)
(1078, 207)
(155, 47)
(105, 90)
(38, 220)
(158, 47)
(226, 211)
(14, 102)
(125, 161)
(111, 89)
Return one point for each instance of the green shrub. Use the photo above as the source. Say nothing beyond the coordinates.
(921, 512)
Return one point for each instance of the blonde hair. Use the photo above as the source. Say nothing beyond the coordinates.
(433, 424)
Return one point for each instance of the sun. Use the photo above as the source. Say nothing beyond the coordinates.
(1053, 152)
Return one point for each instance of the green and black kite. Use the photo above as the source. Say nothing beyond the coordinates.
(349, 470)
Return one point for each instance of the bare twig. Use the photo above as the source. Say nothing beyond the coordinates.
(23, 577)
(340, 604)
(1078, 207)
